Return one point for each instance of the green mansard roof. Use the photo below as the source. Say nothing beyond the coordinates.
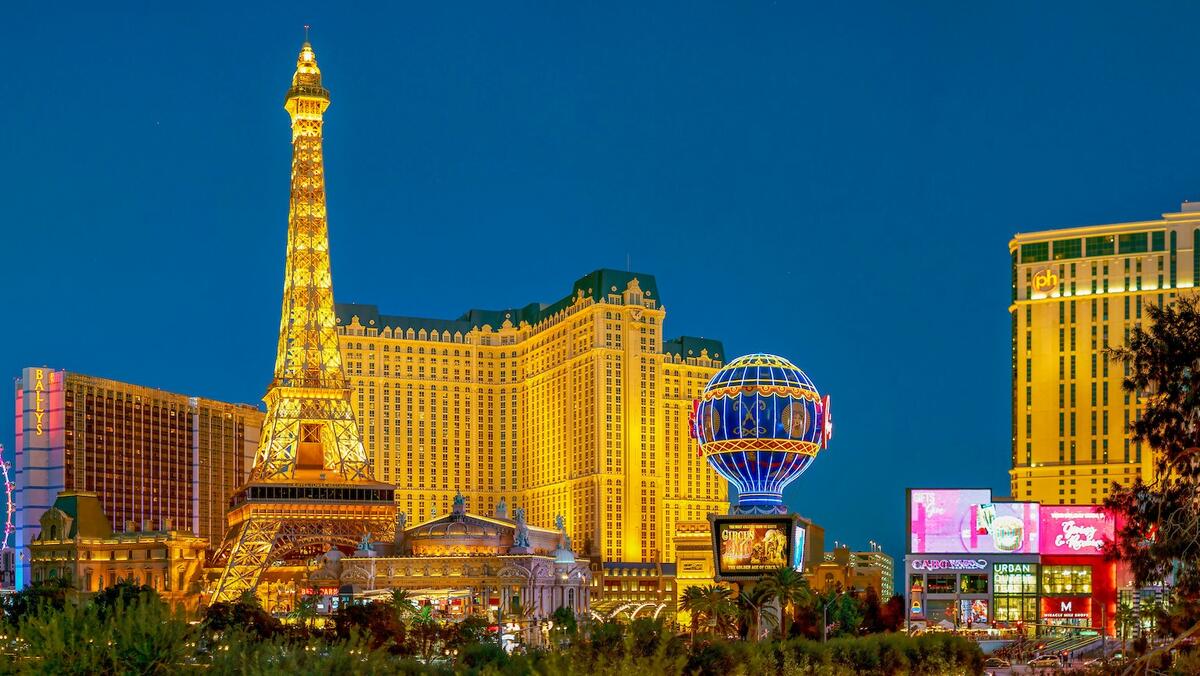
(596, 285)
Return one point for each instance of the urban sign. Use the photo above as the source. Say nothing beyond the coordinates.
(1012, 568)
(949, 564)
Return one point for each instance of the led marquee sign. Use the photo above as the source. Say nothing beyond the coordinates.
(949, 564)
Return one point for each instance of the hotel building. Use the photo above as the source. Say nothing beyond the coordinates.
(580, 408)
(1074, 292)
(155, 459)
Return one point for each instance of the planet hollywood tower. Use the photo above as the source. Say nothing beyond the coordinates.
(311, 486)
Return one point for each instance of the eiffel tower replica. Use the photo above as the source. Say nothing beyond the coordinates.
(311, 485)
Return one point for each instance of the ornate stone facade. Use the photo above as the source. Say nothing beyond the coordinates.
(77, 543)
(464, 564)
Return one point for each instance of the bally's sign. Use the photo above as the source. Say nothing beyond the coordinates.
(39, 401)
(949, 564)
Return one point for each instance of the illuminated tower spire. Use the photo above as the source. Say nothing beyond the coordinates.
(306, 488)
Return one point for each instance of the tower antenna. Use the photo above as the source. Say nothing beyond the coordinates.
(306, 27)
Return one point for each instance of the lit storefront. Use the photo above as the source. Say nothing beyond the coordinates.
(976, 592)
(978, 563)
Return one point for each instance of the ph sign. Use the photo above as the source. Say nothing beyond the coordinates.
(1045, 280)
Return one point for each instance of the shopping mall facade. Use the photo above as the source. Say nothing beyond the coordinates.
(974, 562)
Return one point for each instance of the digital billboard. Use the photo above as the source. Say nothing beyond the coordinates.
(1074, 529)
(973, 611)
(798, 548)
(967, 521)
(750, 548)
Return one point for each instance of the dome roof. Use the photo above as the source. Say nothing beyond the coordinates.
(760, 371)
(453, 529)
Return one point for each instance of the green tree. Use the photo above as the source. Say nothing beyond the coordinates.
(789, 589)
(245, 614)
(45, 594)
(716, 609)
(1160, 535)
(376, 621)
(690, 602)
(752, 601)
(123, 593)
(402, 604)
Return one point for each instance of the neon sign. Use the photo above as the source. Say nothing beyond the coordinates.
(1045, 280)
(39, 400)
(1075, 530)
(950, 564)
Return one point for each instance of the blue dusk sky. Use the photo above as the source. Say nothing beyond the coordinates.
(832, 182)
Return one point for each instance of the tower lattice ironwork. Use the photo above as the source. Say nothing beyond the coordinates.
(311, 484)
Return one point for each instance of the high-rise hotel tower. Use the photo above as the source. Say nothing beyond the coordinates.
(152, 457)
(1075, 291)
(578, 408)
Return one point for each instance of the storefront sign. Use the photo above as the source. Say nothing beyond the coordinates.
(320, 591)
(1012, 568)
(1075, 530)
(949, 564)
(916, 611)
(1073, 608)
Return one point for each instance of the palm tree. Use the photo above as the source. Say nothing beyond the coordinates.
(751, 601)
(690, 602)
(716, 607)
(402, 604)
(789, 588)
(1125, 620)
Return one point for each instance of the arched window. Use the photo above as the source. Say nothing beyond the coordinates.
(54, 532)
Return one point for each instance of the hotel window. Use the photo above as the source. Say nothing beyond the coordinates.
(1067, 248)
(1035, 253)
(1101, 246)
(940, 584)
(973, 584)
(1137, 242)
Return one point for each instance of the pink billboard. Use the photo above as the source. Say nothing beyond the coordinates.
(1075, 529)
(966, 521)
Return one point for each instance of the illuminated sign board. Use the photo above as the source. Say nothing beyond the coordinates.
(949, 564)
(798, 547)
(1073, 529)
(1013, 568)
(39, 400)
(1073, 608)
(966, 521)
(750, 547)
(1045, 280)
(915, 610)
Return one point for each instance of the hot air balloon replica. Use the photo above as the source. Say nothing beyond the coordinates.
(760, 423)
